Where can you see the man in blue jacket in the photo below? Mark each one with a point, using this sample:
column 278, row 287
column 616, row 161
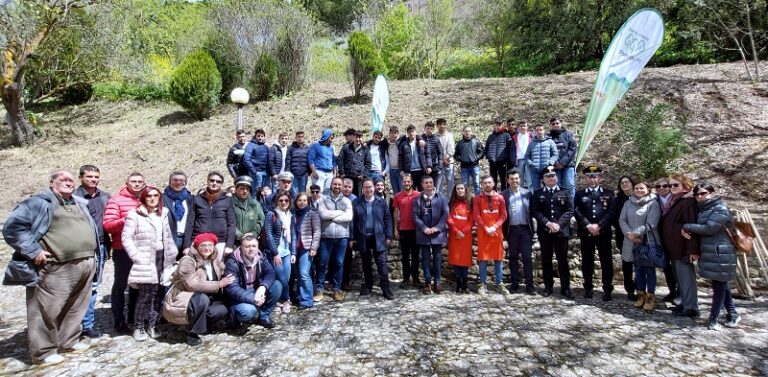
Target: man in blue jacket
column 430, row 213
column 372, row 223
column 518, row 230
column 297, row 162
column 254, row 292
column 255, row 158
column 322, row 161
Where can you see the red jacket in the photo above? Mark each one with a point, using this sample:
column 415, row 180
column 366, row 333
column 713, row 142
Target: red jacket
column 117, row 210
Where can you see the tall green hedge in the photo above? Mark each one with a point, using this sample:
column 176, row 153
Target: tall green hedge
column 196, row 84
column 365, row 61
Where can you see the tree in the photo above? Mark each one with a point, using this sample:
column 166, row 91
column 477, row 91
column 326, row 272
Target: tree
column 496, row 31
column 24, row 26
column 196, row 84
column 395, row 36
column 365, row 62
column 734, row 25
column 438, row 36
column 337, row 14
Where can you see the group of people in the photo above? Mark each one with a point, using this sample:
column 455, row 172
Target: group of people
column 234, row 257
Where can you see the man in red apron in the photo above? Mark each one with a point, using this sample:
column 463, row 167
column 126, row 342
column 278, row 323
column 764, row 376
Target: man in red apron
column 490, row 213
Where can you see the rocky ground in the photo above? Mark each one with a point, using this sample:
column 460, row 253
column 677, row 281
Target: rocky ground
column 446, row 334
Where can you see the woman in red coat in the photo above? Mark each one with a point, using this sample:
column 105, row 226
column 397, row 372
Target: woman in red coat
column 460, row 235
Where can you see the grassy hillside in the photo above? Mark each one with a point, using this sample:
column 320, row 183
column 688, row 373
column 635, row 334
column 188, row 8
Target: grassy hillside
column 727, row 121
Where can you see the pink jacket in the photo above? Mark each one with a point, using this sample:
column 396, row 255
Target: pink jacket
column 140, row 240
column 117, row 209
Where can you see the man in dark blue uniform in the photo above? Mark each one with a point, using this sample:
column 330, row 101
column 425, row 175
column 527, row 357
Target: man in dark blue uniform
column 552, row 207
column 595, row 208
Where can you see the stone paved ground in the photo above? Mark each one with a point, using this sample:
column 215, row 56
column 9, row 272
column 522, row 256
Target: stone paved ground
column 447, row 334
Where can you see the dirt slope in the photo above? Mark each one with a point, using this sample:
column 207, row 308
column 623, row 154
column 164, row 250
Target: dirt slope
column 727, row 118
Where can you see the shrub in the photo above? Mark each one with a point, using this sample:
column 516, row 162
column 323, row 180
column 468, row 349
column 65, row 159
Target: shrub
column 124, row 91
column 365, row 62
column 77, row 93
column 264, row 79
column 196, row 84
column 652, row 140
column 229, row 61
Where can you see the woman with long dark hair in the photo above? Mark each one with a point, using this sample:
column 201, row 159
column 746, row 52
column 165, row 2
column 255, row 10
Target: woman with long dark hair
column 281, row 243
column 623, row 192
column 460, row 234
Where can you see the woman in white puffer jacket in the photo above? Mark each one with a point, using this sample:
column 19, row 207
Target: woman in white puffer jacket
column 148, row 241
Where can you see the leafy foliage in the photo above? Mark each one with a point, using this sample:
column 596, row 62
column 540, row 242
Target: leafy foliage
column 229, row 61
column 264, row 79
column 196, row 84
column 337, row 14
column 395, row 35
column 126, row 91
column 365, row 62
column 77, row 93
column 651, row 140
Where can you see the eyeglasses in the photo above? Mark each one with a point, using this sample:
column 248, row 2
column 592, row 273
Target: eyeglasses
column 205, row 246
column 215, row 181
column 283, row 201
column 315, row 191
column 662, row 186
column 702, row 193
column 674, row 185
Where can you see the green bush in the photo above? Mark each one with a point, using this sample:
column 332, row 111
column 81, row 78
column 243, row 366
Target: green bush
column 229, row 61
column 196, row 84
column 77, row 93
column 654, row 140
column 124, row 91
column 365, row 61
column 396, row 36
column 264, row 79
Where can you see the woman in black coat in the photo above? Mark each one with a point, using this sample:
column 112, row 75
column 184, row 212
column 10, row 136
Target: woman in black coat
column 718, row 255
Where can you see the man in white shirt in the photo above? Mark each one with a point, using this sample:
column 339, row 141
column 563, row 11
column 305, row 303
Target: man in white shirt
column 522, row 137
column 448, row 147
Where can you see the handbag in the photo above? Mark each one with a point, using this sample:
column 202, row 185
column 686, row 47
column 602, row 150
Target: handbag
column 167, row 276
column 741, row 237
column 649, row 254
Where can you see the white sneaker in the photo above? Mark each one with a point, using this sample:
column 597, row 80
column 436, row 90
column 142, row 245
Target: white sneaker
column 483, row 290
column 733, row 321
column 140, row 335
column 286, row 307
column 79, row 346
column 53, row 359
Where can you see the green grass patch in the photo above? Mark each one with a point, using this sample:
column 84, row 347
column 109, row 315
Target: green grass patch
column 122, row 91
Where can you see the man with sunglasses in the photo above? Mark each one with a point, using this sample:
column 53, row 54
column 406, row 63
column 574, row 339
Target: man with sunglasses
column 212, row 212
column 595, row 208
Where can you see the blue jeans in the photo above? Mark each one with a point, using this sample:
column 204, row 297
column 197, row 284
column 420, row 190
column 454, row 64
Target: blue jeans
column 90, row 318
column 566, row 177
column 721, row 297
column 282, row 273
column 646, row 278
column 525, row 178
column 535, row 176
column 396, row 180
column 245, row 312
column 330, row 247
column 299, row 184
column 260, row 179
column 304, row 264
column 483, row 266
column 431, row 262
column 474, row 173
column 373, row 175
column 447, row 175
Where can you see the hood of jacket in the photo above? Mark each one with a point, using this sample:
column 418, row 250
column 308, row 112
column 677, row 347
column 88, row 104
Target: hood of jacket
column 238, row 255
column 325, row 135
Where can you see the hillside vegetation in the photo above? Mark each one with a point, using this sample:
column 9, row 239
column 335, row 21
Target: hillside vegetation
column 726, row 117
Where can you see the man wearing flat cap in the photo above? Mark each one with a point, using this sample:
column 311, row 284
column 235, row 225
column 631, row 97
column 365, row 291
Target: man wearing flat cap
column 595, row 208
column 552, row 207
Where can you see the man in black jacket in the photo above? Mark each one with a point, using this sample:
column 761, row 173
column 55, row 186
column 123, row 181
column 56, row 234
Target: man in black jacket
column 212, row 212
column 469, row 152
column 518, row 230
column 178, row 200
column 566, row 148
column 372, row 230
column 595, row 209
column 235, row 164
column 435, row 151
column 297, row 162
column 355, row 162
column 378, row 148
column 497, row 152
column 276, row 159
column 552, row 207
column 254, row 292
column 414, row 157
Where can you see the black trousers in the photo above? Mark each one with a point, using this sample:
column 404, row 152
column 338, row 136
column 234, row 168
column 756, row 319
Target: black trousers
column 520, row 244
column 416, row 176
column 411, row 253
column 604, row 250
column 346, row 273
column 203, row 312
column 671, row 278
column 559, row 247
column 356, row 185
column 498, row 171
column 368, row 253
column 628, row 269
column 123, row 266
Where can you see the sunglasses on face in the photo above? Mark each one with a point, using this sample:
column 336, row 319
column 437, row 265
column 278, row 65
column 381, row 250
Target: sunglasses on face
column 702, row 194
column 215, row 181
column 315, row 191
column 283, row 201
column 662, row 186
column 550, row 175
column 674, row 185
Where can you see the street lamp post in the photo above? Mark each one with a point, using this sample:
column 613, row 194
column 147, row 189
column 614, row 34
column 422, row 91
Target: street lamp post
column 239, row 97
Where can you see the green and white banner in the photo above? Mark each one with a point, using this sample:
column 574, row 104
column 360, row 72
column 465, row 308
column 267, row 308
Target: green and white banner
column 380, row 104
column 631, row 48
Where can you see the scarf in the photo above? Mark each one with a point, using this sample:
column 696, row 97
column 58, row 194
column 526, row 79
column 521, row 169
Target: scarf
column 178, row 201
column 285, row 218
column 670, row 202
column 210, row 197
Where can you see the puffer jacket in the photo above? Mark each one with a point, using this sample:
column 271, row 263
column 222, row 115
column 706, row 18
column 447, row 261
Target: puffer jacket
column 235, row 164
column 497, row 146
column 404, row 146
column 309, row 230
column 718, row 256
column 541, row 153
column 335, row 215
column 566, row 146
column 189, row 278
column 238, row 292
column 141, row 242
column 354, row 162
column 117, row 209
column 249, row 217
column 297, row 159
column 435, row 149
column 273, row 232
column 469, row 152
column 255, row 157
column 636, row 216
column 217, row 218
column 275, row 162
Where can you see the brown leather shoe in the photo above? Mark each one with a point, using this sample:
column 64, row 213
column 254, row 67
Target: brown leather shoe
column 437, row 288
column 427, row 289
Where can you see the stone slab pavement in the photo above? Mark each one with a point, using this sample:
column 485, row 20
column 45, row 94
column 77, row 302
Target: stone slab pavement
column 418, row 335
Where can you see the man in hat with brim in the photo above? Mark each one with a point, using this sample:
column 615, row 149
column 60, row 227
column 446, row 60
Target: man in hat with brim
column 249, row 216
